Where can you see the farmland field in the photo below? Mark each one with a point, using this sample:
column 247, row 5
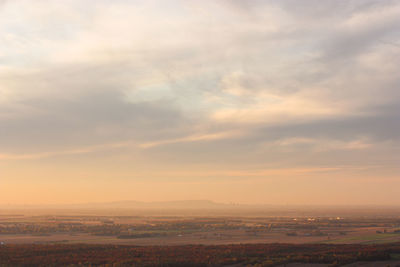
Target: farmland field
column 146, row 229
column 181, row 239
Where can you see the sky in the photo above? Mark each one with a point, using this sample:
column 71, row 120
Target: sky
column 258, row 102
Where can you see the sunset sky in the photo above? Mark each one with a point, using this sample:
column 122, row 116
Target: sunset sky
column 267, row 102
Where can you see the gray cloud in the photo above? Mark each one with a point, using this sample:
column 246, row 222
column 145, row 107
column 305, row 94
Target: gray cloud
column 81, row 106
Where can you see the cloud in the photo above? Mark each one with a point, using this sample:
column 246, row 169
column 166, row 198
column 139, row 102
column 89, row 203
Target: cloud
column 202, row 81
column 326, row 144
column 193, row 138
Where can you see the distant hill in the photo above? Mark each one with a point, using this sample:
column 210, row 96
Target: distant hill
column 182, row 204
column 206, row 207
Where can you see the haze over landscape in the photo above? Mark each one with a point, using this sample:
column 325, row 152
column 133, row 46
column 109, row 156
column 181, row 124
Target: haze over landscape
column 251, row 102
column 238, row 133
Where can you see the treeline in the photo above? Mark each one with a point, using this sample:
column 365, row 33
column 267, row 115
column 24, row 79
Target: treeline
column 191, row 255
column 107, row 228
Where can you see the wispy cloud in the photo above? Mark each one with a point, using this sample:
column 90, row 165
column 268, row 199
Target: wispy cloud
column 194, row 138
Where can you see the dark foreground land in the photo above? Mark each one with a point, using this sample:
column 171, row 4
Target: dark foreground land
column 200, row 255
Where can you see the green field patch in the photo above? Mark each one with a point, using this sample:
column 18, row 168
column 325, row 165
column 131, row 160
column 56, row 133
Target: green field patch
column 395, row 256
column 374, row 238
